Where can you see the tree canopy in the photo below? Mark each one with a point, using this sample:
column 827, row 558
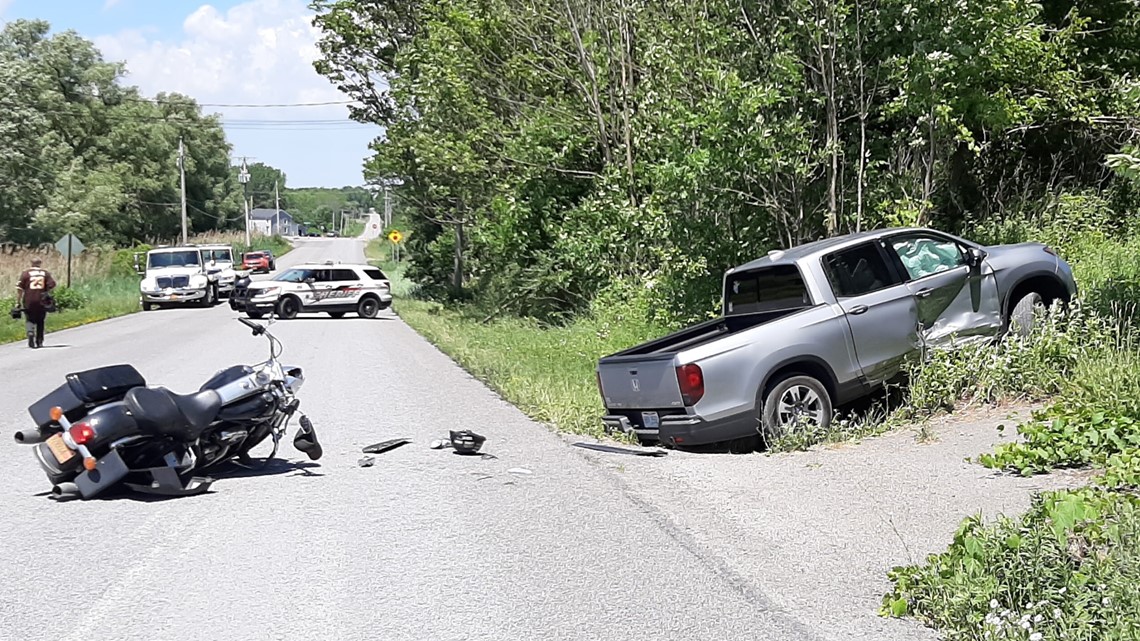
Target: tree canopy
column 82, row 152
column 560, row 147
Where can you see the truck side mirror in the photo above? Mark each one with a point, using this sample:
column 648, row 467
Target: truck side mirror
column 975, row 256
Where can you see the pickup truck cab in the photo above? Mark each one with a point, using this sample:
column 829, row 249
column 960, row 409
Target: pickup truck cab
column 806, row 329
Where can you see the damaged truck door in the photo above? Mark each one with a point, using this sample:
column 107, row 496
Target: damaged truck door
column 955, row 289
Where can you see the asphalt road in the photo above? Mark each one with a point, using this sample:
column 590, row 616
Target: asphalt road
column 426, row 544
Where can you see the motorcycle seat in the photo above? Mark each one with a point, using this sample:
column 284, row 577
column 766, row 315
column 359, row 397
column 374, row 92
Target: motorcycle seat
column 182, row 416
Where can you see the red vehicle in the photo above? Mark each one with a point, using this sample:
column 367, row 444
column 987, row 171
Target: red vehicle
column 259, row 261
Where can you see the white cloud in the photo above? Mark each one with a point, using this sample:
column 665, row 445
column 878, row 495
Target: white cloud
column 258, row 52
column 110, row 4
column 4, row 4
column 261, row 51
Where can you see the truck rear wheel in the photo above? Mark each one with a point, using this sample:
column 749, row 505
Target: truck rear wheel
column 794, row 405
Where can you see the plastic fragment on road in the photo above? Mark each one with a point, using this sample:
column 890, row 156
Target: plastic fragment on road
column 621, row 450
column 367, row 461
column 466, row 441
column 384, row 446
column 519, row 470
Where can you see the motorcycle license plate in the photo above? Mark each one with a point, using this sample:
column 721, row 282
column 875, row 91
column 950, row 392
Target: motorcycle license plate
column 650, row 420
column 59, row 449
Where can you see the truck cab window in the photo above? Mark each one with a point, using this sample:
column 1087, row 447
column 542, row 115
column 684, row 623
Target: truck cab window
column 779, row 287
column 857, row 271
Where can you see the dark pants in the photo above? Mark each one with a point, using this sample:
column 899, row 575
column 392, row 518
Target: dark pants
column 34, row 323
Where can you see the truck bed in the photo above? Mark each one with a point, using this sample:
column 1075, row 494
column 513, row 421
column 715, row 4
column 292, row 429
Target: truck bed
column 689, row 337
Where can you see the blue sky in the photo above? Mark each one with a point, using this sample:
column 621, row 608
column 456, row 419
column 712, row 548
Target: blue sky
column 229, row 52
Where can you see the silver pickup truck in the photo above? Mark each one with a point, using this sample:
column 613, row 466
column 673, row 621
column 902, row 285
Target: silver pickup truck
column 819, row 325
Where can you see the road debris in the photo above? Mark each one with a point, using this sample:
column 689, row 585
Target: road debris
column 384, row 446
column 367, row 461
column 621, row 450
column 466, row 441
column 519, row 470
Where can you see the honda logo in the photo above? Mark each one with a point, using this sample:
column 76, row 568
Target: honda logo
column 636, row 385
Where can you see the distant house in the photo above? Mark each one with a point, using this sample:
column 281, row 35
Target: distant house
column 265, row 221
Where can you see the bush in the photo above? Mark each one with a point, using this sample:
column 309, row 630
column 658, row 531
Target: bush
column 70, row 298
column 123, row 262
column 1069, row 568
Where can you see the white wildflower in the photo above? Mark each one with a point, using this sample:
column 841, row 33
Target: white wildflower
column 1027, row 625
column 993, row 604
column 1036, row 636
column 1037, row 619
column 1105, row 601
column 1057, row 612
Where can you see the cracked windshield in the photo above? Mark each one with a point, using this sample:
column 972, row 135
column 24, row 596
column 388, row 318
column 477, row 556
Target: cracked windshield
column 570, row 319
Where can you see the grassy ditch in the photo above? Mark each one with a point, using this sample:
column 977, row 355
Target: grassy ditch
column 103, row 283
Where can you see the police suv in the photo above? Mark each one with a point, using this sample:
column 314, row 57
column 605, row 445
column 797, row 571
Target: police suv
column 332, row 288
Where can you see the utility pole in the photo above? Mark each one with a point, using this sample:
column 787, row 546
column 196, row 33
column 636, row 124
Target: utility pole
column 277, row 205
column 182, row 173
column 243, row 178
column 387, row 207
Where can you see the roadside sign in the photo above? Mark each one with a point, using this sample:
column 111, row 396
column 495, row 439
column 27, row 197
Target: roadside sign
column 69, row 246
column 395, row 236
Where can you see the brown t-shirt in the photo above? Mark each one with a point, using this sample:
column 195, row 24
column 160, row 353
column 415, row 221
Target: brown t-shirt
column 35, row 282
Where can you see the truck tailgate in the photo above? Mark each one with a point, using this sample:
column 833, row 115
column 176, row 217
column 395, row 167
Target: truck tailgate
column 639, row 383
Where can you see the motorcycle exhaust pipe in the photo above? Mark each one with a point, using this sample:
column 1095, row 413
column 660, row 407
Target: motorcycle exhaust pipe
column 66, row 491
column 30, row 437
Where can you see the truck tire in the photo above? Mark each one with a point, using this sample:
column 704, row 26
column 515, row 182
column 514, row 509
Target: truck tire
column 1022, row 316
column 792, row 400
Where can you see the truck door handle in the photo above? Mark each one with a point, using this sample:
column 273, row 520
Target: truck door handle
column 858, row 309
column 923, row 293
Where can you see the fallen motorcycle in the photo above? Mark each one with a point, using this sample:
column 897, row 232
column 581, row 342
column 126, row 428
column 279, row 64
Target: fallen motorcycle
column 107, row 426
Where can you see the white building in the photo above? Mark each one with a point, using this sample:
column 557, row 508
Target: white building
column 265, row 221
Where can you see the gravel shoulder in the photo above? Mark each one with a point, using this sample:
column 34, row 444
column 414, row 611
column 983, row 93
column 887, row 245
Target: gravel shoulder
column 818, row 531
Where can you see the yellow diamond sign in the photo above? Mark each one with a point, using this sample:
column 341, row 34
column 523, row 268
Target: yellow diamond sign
column 395, row 236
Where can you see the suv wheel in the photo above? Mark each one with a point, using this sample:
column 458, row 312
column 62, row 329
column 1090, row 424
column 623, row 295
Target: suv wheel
column 793, row 406
column 368, row 308
column 288, row 308
column 211, row 296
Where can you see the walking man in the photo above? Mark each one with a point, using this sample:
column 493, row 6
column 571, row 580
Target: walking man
column 34, row 284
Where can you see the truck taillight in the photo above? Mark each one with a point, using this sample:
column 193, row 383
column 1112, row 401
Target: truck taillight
column 81, row 433
column 692, row 382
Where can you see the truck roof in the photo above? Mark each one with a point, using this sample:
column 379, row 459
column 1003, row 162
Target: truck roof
column 817, row 248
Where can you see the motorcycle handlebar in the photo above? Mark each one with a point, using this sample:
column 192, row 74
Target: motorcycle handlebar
column 257, row 329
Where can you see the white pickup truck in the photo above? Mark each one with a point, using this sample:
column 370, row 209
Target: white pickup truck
column 177, row 276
